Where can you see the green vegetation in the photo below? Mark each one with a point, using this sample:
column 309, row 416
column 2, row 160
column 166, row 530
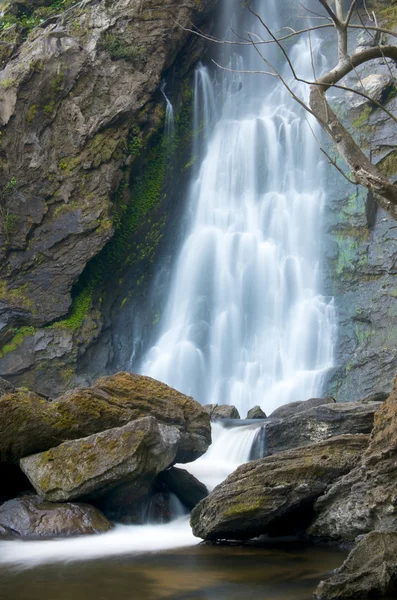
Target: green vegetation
column 118, row 49
column 17, row 339
column 27, row 20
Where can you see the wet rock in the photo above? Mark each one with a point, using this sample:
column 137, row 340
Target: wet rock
column 366, row 498
column 319, row 423
column 222, row 411
column 369, row 570
column 189, row 490
column 293, row 408
column 30, row 424
column 256, row 413
column 375, row 397
column 267, row 495
column 92, row 466
column 33, row 517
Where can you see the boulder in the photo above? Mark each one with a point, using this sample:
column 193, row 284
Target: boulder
column 132, row 454
column 293, row 408
column 256, row 413
column 369, row 570
column 376, row 85
column 33, row 517
column 30, row 424
column 319, row 423
column 222, row 411
column 184, row 485
column 366, row 498
column 270, row 494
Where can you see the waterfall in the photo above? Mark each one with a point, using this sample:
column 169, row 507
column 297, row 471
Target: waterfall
column 169, row 122
column 245, row 322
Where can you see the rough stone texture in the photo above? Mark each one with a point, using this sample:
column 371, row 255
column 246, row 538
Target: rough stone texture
column 256, row 413
column 293, row 408
column 319, row 423
column 33, row 517
column 369, row 570
column 266, row 492
column 6, row 387
column 377, row 86
column 361, row 262
column 366, row 498
column 222, row 411
column 73, row 98
column 135, row 453
column 184, row 485
column 29, row 423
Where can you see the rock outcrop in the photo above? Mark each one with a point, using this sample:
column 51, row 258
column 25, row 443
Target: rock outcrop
column 268, row 494
column 30, row 424
column 79, row 107
column 222, row 411
column 95, row 465
column 366, row 498
column 369, row 571
column 294, row 408
column 32, row 517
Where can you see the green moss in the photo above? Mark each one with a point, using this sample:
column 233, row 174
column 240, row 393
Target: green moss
column 118, row 49
column 32, row 110
column 362, row 119
column 80, row 307
column 16, row 341
column 388, row 165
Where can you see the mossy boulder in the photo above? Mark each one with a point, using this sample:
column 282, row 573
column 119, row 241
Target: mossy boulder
column 31, row 424
column 33, row 517
column 370, row 570
column 222, row 411
column 95, row 465
column 275, row 494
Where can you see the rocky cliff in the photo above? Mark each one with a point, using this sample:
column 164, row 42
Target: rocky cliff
column 83, row 165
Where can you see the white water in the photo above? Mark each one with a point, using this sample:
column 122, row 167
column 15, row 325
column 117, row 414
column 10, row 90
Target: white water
column 245, row 322
column 169, row 122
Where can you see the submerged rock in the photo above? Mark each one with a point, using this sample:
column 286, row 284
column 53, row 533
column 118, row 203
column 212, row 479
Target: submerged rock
column 222, row 411
column 30, row 424
column 133, row 454
column 263, row 495
column 33, row 517
column 319, row 423
column 369, row 570
column 189, row 490
column 293, row 408
column 256, row 413
column 366, row 498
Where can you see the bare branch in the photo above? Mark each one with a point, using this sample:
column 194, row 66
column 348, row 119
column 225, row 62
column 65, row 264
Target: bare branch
column 331, row 13
column 350, row 13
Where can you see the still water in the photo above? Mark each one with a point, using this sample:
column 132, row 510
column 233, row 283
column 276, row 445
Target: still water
column 287, row 571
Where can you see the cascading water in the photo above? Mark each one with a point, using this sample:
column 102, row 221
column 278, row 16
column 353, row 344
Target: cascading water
column 245, row 322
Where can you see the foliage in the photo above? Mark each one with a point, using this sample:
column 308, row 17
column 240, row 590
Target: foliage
column 118, row 49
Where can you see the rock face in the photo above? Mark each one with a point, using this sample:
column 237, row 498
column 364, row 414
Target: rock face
column 319, row 423
column 184, row 485
column 222, row 411
column 33, row 517
column 366, row 498
column 30, row 424
column 256, row 413
column 79, row 105
column 263, row 494
column 133, row 454
column 6, row 387
column 294, row 408
column 369, row 571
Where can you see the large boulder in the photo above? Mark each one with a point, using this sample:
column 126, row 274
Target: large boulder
column 133, row 454
column 319, row 423
column 189, row 490
column 293, row 408
column 262, row 495
column 369, row 570
column 33, row 517
column 30, row 424
column 366, row 498
column 222, row 411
